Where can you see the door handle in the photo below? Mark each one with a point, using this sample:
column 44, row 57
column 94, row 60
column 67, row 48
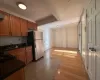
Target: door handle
column 93, row 49
column 90, row 48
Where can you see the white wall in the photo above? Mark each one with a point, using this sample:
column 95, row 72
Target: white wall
column 47, row 38
column 83, row 45
column 51, row 38
column 65, row 36
column 84, row 36
column 60, row 37
column 7, row 40
column 72, row 36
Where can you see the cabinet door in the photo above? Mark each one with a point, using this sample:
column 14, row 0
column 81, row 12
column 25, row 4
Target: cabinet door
column 32, row 25
column 22, row 57
column 18, row 75
column 14, row 53
column 15, row 26
column 4, row 25
column 29, row 54
column 24, row 28
column 91, row 54
column 19, row 54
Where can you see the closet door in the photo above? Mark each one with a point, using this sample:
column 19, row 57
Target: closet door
column 97, row 39
column 97, row 46
column 91, row 61
column 91, row 39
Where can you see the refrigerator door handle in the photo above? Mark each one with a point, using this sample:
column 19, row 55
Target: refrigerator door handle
column 34, row 45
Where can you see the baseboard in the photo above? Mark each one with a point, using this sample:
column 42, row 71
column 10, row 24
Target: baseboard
column 48, row 49
column 67, row 48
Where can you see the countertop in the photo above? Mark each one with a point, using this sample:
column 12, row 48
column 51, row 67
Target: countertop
column 13, row 46
column 9, row 67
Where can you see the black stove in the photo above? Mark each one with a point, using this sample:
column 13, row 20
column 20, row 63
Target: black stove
column 6, row 57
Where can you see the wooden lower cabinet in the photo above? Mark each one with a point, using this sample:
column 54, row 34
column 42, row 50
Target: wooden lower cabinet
column 19, row 53
column 18, row 75
column 29, row 54
column 23, row 54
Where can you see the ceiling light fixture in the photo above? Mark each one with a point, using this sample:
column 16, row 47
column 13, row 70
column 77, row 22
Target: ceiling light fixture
column 21, row 5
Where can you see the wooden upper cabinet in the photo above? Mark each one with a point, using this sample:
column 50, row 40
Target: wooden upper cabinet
column 15, row 24
column 24, row 27
column 4, row 25
column 32, row 25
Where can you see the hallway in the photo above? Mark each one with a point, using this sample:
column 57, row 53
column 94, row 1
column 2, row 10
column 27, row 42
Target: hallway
column 58, row 64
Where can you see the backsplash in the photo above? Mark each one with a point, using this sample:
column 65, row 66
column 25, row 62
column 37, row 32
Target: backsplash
column 12, row 40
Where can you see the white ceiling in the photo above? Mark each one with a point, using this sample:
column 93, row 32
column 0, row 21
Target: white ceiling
column 66, row 9
column 37, row 9
column 59, row 24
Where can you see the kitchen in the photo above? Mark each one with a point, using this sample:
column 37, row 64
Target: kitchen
column 19, row 43
column 49, row 40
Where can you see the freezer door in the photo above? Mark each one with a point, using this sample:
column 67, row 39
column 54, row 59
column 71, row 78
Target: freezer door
column 38, row 35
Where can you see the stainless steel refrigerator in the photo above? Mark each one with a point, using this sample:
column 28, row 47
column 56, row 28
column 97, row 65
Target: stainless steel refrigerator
column 35, row 38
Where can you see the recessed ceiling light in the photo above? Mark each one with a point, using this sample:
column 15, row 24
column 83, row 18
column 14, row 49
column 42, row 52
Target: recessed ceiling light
column 21, row 5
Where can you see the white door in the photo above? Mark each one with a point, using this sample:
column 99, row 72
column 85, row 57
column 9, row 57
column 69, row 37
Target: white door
column 91, row 39
column 91, row 57
column 97, row 46
column 97, row 40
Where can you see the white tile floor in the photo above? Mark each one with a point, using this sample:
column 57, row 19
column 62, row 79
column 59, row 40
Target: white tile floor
column 57, row 65
column 44, row 69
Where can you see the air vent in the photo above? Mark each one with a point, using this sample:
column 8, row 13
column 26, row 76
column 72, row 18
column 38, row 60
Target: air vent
column 1, row 16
